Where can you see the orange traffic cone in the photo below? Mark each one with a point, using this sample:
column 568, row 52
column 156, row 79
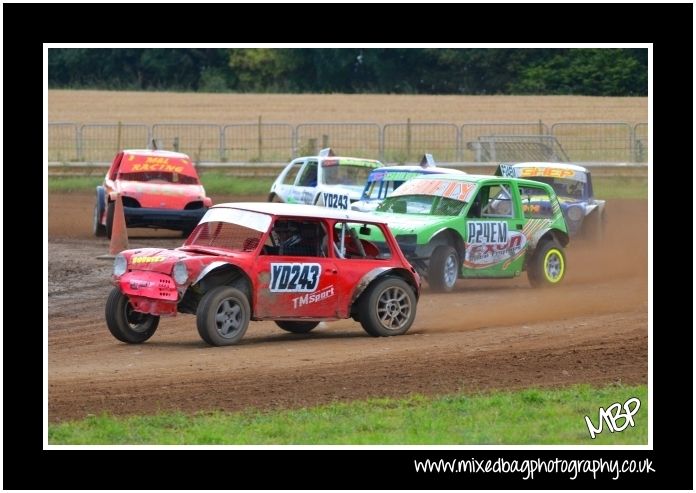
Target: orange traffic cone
column 119, row 235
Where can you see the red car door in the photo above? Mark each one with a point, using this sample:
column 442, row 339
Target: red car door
column 296, row 287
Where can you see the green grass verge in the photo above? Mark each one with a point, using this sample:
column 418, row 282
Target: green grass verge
column 620, row 187
column 214, row 183
column 222, row 184
column 531, row 416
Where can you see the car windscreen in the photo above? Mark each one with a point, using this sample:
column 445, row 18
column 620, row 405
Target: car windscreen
column 159, row 177
column 564, row 187
column 229, row 229
column 345, row 174
column 433, row 205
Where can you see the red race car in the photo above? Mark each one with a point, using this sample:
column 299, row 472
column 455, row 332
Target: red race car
column 295, row 264
column 159, row 189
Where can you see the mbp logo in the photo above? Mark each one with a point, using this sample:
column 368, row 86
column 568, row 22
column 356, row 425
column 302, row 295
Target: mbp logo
column 613, row 414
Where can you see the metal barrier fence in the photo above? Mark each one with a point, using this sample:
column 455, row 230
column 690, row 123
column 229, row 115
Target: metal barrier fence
column 610, row 141
column 391, row 143
column 640, row 137
column 257, row 142
column 101, row 142
column 406, row 143
column 349, row 139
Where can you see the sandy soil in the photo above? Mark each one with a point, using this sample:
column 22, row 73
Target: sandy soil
column 485, row 335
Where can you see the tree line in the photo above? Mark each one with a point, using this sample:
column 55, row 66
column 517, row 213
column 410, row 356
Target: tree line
column 576, row 71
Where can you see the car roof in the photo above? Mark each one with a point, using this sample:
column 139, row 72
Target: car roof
column 340, row 158
column 155, row 152
column 464, row 177
column 301, row 210
column 573, row 167
column 415, row 168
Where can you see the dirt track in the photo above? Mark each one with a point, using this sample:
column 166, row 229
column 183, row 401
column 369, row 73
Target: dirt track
column 485, row 335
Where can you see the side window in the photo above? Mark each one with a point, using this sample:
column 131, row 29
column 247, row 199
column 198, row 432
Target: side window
column 297, row 238
column 348, row 244
column 309, row 175
column 292, row 174
column 536, row 203
column 499, row 203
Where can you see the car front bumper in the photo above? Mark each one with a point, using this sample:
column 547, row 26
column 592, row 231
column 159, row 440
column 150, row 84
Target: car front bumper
column 139, row 217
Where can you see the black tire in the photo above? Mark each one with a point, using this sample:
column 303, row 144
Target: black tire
column 124, row 323
column 443, row 270
column 547, row 266
column 223, row 316
column 110, row 218
column 296, row 327
column 388, row 308
column 98, row 229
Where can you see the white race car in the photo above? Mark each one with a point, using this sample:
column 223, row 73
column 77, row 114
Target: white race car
column 325, row 180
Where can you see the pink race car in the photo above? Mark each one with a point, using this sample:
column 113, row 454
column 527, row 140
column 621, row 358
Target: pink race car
column 159, row 189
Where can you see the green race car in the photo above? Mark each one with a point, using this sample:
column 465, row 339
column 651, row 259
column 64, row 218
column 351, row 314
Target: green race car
column 471, row 226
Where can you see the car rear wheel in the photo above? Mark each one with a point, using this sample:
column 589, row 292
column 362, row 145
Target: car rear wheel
column 388, row 308
column 443, row 270
column 223, row 316
column 296, row 327
column 547, row 267
column 124, row 323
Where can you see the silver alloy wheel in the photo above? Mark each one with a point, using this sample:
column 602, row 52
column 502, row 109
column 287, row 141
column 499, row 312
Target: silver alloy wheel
column 553, row 266
column 228, row 318
column 450, row 271
column 393, row 308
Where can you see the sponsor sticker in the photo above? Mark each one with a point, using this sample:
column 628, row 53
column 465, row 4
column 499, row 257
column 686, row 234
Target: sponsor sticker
column 336, row 200
column 309, row 298
column 294, row 277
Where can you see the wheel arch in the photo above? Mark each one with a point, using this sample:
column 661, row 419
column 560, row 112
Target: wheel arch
column 449, row 237
column 214, row 275
column 549, row 233
column 366, row 281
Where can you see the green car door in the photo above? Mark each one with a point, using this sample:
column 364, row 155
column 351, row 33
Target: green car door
column 494, row 242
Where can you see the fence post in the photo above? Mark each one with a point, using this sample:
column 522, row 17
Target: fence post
column 176, row 144
column 324, row 141
column 119, row 130
column 260, row 140
column 408, row 139
column 78, row 142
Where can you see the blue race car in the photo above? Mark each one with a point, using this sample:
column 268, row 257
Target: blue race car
column 584, row 214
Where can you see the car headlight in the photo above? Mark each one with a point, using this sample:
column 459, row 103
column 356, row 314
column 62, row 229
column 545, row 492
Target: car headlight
column 180, row 273
column 575, row 213
column 120, row 265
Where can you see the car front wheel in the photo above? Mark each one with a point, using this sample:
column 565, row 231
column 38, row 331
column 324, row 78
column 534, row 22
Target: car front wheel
column 98, row 228
column 223, row 316
column 124, row 323
column 388, row 308
column 443, row 270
